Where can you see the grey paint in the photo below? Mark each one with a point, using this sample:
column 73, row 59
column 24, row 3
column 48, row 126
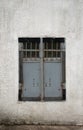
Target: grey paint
column 31, row 79
column 52, row 79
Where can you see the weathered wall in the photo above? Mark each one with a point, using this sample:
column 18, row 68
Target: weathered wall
column 58, row 18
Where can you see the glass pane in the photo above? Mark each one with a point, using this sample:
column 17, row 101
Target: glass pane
column 33, row 54
column 54, row 54
column 37, row 54
column 28, row 45
column 54, row 45
column 58, row 54
column 49, row 46
column 24, row 54
column 49, row 53
column 24, row 45
column 59, row 46
column 33, row 45
column 28, row 54
column 45, row 54
column 37, row 45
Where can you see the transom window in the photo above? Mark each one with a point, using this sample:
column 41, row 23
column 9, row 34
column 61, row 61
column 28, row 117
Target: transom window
column 30, row 49
column 52, row 48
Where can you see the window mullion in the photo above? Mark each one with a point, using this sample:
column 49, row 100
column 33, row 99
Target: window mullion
column 42, row 68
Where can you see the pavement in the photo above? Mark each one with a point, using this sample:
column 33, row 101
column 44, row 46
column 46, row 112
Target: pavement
column 39, row 127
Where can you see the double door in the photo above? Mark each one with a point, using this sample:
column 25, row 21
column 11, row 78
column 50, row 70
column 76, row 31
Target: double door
column 42, row 69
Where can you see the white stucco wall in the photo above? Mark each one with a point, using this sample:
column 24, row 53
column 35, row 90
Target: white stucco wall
column 24, row 18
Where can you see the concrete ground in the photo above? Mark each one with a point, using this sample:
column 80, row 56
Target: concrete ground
column 40, row 127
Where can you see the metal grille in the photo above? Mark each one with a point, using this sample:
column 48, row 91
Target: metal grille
column 30, row 49
column 52, row 49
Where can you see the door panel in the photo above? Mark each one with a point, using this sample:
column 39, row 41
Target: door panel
column 52, row 79
column 31, row 76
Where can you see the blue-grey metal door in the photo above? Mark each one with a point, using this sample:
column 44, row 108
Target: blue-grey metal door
column 31, row 70
column 52, row 70
column 31, row 75
column 52, row 80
